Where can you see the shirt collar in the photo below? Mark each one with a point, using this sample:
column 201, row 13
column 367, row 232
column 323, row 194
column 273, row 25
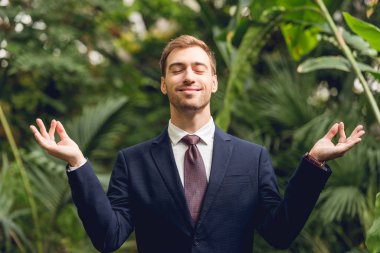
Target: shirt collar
column 206, row 133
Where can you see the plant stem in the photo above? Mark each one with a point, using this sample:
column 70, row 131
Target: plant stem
column 351, row 59
column 24, row 177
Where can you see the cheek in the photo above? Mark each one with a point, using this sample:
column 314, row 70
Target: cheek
column 173, row 81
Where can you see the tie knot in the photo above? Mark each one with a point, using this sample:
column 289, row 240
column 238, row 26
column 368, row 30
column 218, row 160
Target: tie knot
column 191, row 139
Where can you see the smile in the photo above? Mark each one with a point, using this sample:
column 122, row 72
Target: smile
column 189, row 89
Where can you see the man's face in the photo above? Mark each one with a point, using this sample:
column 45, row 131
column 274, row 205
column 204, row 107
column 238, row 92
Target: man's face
column 189, row 81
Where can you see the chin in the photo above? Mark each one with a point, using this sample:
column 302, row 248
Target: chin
column 192, row 107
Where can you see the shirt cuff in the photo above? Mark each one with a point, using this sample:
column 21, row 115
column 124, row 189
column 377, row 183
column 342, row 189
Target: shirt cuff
column 70, row 169
column 316, row 163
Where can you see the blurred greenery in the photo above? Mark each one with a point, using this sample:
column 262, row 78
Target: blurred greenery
column 373, row 237
column 94, row 65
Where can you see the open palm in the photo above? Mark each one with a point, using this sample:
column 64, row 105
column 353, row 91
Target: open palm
column 66, row 149
column 324, row 149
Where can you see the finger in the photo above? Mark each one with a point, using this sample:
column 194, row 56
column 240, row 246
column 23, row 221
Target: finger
column 332, row 132
column 53, row 125
column 360, row 133
column 41, row 125
column 342, row 134
column 33, row 129
column 357, row 135
column 61, row 131
column 348, row 145
column 357, row 129
column 39, row 138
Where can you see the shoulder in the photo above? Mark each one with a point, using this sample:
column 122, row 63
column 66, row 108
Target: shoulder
column 237, row 142
column 146, row 145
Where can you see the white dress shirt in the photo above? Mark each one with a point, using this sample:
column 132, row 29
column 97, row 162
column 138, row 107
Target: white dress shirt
column 205, row 146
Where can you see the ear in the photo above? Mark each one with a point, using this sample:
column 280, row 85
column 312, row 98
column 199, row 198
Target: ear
column 214, row 87
column 163, row 86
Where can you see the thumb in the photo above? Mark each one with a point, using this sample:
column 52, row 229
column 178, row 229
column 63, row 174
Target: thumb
column 332, row 132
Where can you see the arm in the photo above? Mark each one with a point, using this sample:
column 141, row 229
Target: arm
column 281, row 220
column 106, row 219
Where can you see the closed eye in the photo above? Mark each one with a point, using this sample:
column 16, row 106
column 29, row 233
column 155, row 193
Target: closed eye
column 176, row 71
column 176, row 68
column 199, row 68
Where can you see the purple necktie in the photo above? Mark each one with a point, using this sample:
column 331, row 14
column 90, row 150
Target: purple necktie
column 195, row 176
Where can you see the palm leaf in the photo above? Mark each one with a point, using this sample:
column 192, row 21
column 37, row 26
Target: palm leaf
column 342, row 202
column 86, row 128
column 248, row 51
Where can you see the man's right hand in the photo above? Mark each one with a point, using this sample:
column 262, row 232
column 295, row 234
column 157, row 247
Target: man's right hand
column 66, row 149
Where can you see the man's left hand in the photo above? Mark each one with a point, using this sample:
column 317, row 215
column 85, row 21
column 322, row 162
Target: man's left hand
column 325, row 149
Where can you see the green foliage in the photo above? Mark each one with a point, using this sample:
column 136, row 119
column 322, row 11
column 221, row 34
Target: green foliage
column 9, row 214
column 332, row 62
column 253, row 41
column 367, row 31
column 300, row 39
column 373, row 234
column 86, row 129
column 240, row 59
column 358, row 44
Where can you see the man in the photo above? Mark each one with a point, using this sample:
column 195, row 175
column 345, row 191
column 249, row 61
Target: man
column 180, row 195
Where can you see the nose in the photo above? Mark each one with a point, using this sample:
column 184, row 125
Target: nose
column 188, row 77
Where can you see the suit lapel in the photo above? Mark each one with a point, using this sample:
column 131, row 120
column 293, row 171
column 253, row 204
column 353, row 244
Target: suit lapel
column 162, row 154
column 221, row 155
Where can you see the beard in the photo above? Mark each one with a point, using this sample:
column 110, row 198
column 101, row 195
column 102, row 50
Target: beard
column 188, row 105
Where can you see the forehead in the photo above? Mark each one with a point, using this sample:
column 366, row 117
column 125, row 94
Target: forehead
column 188, row 56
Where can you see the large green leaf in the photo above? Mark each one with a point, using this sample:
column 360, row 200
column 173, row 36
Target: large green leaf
column 366, row 30
column 299, row 39
column 248, row 51
column 299, row 11
column 373, row 234
column 295, row 9
column 332, row 62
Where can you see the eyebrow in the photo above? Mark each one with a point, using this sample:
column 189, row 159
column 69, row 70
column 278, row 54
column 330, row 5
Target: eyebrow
column 179, row 64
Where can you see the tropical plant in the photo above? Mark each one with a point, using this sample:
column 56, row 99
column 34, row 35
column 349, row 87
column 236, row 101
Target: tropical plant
column 373, row 234
column 25, row 180
column 10, row 232
column 302, row 23
column 371, row 33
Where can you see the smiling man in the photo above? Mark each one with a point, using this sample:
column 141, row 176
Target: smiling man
column 193, row 188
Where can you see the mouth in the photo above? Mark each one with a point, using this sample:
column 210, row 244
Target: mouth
column 188, row 89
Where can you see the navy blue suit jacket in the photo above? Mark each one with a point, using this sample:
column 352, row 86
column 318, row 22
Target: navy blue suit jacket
column 146, row 195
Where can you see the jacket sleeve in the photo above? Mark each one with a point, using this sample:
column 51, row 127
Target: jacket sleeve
column 106, row 218
column 281, row 220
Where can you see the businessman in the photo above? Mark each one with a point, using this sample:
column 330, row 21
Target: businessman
column 193, row 188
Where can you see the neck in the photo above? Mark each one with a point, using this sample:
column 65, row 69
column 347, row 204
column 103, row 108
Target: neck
column 190, row 121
